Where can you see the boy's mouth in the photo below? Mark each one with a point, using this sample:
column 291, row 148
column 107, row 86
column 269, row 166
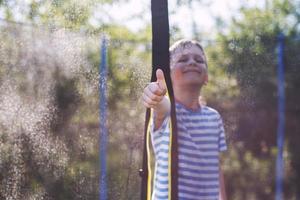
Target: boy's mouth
column 192, row 70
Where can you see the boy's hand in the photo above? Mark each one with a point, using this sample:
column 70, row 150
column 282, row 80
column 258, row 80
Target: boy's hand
column 154, row 97
column 155, row 92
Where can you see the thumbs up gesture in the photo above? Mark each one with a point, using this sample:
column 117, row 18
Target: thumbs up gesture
column 154, row 96
column 161, row 81
column 155, row 92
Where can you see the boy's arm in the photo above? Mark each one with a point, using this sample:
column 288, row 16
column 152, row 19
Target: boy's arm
column 154, row 97
column 222, row 147
column 222, row 193
column 161, row 112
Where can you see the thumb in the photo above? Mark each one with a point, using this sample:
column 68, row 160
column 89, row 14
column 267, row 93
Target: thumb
column 161, row 79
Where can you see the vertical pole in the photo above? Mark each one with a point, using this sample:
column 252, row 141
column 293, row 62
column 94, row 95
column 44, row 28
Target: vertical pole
column 281, row 119
column 103, row 119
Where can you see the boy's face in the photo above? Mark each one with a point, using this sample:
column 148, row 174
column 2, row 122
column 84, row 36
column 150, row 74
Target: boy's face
column 188, row 67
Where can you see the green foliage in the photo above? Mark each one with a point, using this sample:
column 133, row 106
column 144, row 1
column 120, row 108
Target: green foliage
column 249, row 53
column 61, row 161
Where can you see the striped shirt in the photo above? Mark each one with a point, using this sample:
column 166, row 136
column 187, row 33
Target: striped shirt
column 200, row 139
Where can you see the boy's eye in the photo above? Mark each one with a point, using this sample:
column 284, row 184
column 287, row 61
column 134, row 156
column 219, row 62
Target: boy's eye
column 182, row 59
column 200, row 61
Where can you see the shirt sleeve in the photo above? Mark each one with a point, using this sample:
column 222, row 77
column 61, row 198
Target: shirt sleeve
column 222, row 141
column 160, row 133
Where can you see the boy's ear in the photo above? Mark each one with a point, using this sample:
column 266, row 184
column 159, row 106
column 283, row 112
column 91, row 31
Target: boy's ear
column 206, row 79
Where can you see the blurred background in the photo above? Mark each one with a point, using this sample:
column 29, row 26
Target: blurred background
column 49, row 93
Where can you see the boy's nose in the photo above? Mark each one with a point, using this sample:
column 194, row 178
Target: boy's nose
column 192, row 62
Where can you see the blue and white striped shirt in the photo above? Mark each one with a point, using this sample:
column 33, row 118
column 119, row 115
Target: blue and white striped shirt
column 200, row 139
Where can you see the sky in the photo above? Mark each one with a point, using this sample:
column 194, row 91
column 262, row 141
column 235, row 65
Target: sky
column 124, row 13
column 134, row 13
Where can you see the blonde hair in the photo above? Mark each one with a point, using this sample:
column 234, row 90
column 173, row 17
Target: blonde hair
column 183, row 44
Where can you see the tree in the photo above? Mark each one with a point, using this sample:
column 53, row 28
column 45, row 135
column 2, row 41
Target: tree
column 62, row 69
column 249, row 53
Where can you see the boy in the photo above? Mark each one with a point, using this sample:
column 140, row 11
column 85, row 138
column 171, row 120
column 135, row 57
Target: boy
column 200, row 130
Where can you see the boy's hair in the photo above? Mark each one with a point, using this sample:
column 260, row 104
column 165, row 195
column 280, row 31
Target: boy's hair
column 183, row 44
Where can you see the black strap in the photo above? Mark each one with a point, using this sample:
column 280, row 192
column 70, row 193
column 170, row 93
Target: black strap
column 160, row 59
